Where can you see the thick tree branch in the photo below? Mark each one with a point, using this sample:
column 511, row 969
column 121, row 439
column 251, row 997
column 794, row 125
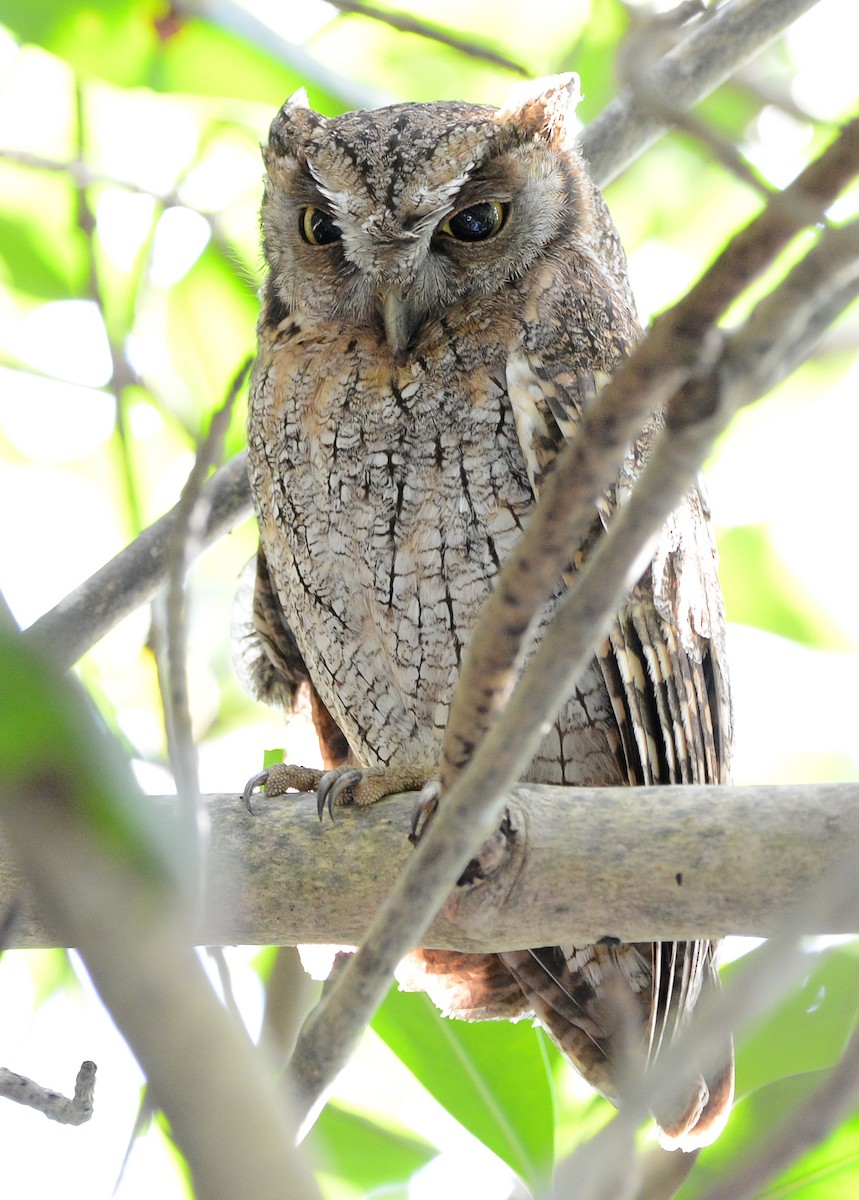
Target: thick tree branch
column 643, row 863
column 607, row 1160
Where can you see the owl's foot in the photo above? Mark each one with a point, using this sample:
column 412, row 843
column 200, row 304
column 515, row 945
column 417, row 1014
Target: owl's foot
column 282, row 777
column 365, row 785
column 342, row 785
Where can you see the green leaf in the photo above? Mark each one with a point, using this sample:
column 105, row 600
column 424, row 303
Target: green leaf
column 827, row 1172
column 760, row 590
column 211, row 316
column 42, row 251
column 139, row 43
column 363, row 1155
column 809, row 1031
column 52, row 738
column 492, row 1076
column 26, row 265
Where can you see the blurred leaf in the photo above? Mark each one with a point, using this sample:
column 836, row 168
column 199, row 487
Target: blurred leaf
column 50, row 972
column 827, row 1172
column 115, row 41
column 136, row 43
column 42, row 250
column 492, row 1076
column 364, row 1156
column 51, row 736
column 28, row 265
column 211, row 316
column 810, row 1029
column 761, row 591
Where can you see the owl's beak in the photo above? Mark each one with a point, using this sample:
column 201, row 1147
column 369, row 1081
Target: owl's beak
column 400, row 322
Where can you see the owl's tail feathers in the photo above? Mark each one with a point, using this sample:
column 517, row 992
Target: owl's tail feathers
column 591, row 1002
column 702, row 1118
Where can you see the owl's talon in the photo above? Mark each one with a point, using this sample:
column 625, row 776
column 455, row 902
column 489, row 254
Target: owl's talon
column 425, row 810
column 255, row 781
column 333, row 785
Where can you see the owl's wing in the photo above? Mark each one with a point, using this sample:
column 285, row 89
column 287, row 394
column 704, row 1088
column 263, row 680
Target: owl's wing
column 268, row 661
column 664, row 670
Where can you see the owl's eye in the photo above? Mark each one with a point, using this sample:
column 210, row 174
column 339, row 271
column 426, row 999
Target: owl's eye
column 476, row 223
column 317, row 227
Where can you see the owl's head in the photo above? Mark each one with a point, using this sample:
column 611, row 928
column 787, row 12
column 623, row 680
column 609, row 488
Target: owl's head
column 387, row 218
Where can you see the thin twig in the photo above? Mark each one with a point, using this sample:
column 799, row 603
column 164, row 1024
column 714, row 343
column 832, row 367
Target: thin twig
column 55, row 1107
column 405, row 23
column 188, row 530
column 122, row 374
column 236, row 19
column 737, row 31
column 83, row 175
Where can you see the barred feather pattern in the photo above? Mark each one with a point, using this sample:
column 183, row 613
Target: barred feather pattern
column 414, row 383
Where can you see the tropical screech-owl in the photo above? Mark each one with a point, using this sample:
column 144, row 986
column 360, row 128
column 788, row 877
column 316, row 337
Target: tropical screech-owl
column 446, row 292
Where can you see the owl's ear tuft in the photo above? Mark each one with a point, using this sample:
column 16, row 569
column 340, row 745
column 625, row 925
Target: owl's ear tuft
column 298, row 99
column 544, row 108
column 291, row 128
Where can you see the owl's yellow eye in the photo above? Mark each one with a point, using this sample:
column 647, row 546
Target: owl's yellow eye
column 317, row 227
column 477, row 222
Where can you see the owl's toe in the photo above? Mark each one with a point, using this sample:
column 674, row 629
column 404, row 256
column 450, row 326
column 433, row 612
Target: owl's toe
column 282, row 777
column 255, row 781
column 365, row 786
column 425, row 811
column 337, row 787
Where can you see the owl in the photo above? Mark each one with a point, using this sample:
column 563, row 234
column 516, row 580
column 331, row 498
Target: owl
column 446, row 293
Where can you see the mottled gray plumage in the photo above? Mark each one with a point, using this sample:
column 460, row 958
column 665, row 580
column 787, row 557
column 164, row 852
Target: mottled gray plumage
column 446, row 293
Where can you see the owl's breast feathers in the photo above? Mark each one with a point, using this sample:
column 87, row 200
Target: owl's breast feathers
column 383, row 519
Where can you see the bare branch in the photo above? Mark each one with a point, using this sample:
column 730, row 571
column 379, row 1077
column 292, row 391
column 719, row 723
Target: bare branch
column 83, row 175
column 639, row 864
column 101, row 875
column 736, row 32
column 55, row 1107
column 777, row 968
column 406, row 23
column 192, row 512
